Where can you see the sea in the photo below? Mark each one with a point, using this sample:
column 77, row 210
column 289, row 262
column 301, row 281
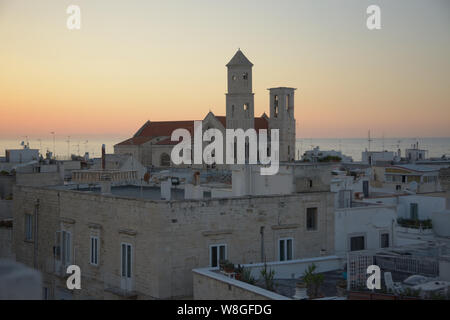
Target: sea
column 65, row 146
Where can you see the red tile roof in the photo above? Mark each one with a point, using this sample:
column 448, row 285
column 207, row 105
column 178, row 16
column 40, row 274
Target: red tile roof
column 261, row 123
column 164, row 128
column 223, row 120
column 135, row 141
column 154, row 129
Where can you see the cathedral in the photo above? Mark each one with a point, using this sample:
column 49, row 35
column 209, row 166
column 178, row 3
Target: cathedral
column 152, row 145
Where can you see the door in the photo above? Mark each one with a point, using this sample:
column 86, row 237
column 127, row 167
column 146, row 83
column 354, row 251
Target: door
column 126, row 282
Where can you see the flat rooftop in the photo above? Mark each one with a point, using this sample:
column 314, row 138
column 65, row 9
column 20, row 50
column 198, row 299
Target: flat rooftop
column 128, row 191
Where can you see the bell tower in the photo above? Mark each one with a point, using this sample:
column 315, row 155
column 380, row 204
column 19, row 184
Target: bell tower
column 240, row 107
column 282, row 118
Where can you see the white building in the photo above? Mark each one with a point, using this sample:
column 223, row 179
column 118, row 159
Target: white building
column 415, row 154
column 364, row 226
column 121, row 162
column 21, row 155
column 371, row 157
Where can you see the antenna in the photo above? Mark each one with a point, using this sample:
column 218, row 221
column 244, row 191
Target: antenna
column 369, row 140
column 68, row 147
column 54, row 146
column 78, row 148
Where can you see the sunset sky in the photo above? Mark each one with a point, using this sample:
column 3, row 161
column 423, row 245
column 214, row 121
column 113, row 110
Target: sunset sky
column 134, row 61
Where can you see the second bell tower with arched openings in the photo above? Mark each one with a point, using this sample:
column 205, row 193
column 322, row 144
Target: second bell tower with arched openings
column 282, row 118
column 239, row 98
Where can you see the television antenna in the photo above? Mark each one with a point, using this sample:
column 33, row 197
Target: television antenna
column 68, row 147
column 369, row 140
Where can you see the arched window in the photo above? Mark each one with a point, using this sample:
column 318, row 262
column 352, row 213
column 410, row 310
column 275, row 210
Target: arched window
column 275, row 106
column 232, row 111
column 165, row 160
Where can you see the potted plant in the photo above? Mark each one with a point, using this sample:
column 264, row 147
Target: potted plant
column 268, row 276
column 238, row 271
column 301, row 291
column 222, row 264
column 228, row 267
column 341, row 288
column 313, row 281
column 246, row 276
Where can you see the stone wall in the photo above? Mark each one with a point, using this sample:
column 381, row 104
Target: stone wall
column 39, row 179
column 169, row 238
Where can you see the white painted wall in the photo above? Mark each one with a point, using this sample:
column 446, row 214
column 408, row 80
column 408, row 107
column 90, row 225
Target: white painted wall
column 426, row 204
column 441, row 223
column 295, row 268
column 23, row 155
column 368, row 221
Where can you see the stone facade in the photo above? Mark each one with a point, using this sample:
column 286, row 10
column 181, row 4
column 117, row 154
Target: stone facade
column 168, row 238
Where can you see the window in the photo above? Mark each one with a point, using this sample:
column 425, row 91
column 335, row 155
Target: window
column 217, row 253
column 63, row 249
column 165, row 160
column 285, row 250
column 310, row 183
column 67, row 248
column 126, row 260
column 94, row 251
column 233, row 77
column 275, row 106
column 384, row 240
column 414, row 211
column 28, row 227
column 311, row 219
column 232, row 111
column 357, row 243
column 245, row 76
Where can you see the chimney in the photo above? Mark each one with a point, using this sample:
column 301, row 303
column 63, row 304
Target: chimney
column 196, row 178
column 103, row 156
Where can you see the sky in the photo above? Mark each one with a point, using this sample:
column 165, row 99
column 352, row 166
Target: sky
column 134, row 61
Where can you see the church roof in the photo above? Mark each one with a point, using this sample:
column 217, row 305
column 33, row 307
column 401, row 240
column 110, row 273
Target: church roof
column 153, row 129
column 239, row 59
column 164, row 128
column 135, row 141
column 261, row 123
